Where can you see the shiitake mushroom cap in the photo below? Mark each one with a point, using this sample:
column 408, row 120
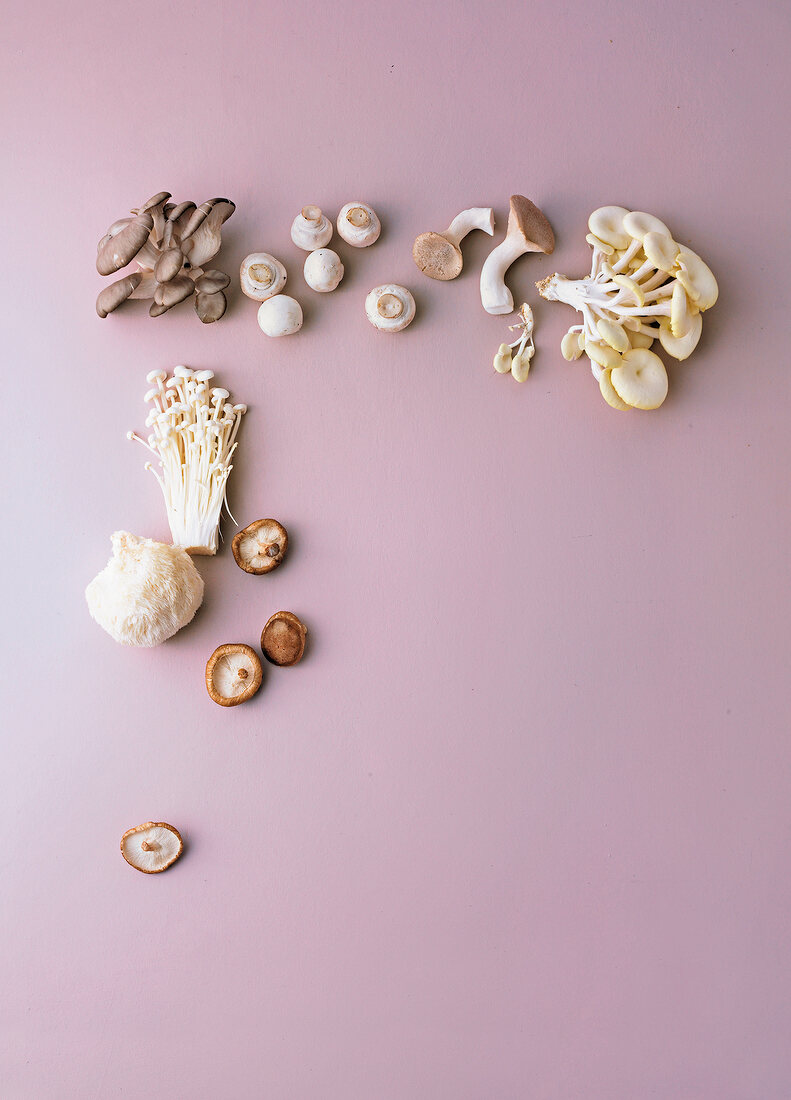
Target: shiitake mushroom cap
column 233, row 674
column 260, row 547
column 283, row 639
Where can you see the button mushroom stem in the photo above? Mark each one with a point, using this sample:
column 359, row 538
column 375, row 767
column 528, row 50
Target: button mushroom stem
column 528, row 231
column 389, row 306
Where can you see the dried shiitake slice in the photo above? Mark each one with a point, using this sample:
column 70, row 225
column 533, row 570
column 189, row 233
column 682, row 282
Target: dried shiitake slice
column 283, row 639
column 261, row 546
column 152, row 847
column 233, row 674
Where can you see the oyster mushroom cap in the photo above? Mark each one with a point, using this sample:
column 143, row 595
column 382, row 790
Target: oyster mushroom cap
column 280, row 316
column 528, row 231
column 638, row 224
column 233, row 674
column 152, row 847
column 261, row 546
column 697, row 279
column 210, row 306
column 261, row 276
column 202, row 242
column 358, row 224
column 610, row 394
column 283, row 639
column 169, row 264
column 390, row 307
column 147, row 591
column 641, row 379
column 323, row 270
column 209, row 282
column 606, row 223
column 121, row 248
column 311, row 229
column 170, row 294
column 112, row 296
column 680, row 347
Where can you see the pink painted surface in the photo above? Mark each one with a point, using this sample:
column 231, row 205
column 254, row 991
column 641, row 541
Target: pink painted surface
column 518, row 826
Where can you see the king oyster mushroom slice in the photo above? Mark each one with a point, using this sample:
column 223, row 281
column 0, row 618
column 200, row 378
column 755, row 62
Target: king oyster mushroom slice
column 311, row 229
column 261, row 276
column 233, row 674
column 261, row 546
column 151, row 847
column 283, row 639
column 358, row 224
column 390, row 307
column 112, row 296
column 121, row 248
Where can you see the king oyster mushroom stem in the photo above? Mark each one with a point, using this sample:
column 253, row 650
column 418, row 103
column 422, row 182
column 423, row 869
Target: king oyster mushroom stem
column 311, row 229
column 528, row 231
column 193, row 430
column 390, row 307
column 640, row 288
column 358, row 224
column 261, row 276
column 438, row 255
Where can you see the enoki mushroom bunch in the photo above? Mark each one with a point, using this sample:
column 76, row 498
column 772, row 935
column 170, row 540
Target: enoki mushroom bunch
column 172, row 244
column 193, row 435
column 643, row 286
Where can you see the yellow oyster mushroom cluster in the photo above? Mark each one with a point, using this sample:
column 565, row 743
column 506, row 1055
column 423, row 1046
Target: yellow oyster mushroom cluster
column 643, row 286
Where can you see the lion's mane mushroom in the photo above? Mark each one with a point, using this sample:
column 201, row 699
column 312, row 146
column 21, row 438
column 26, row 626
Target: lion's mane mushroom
column 170, row 243
column 323, row 270
column 261, row 276
column 193, row 430
column 438, row 255
column 280, row 316
column 311, row 229
column 390, row 307
column 358, row 224
column 152, row 847
column 528, row 231
column 146, row 592
column 643, row 286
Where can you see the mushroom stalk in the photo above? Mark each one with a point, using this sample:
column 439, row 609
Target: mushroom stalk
column 528, row 231
column 477, row 217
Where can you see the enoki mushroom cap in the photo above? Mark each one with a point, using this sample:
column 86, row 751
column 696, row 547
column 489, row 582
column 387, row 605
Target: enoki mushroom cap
column 261, row 546
column 233, row 674
column 151, row 847
column 283, row 639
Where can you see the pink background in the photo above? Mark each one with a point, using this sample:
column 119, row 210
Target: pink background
column 518, row 825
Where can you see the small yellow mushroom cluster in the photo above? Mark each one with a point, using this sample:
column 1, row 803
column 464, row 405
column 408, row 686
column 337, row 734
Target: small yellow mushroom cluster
column 643, row 286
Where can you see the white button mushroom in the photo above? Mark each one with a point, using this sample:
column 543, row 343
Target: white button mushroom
column 390, row 307
column 358, row 224
column 323, row 270
column 280, row 316
column 261, row 276
column 528, row 231
column 311, row 229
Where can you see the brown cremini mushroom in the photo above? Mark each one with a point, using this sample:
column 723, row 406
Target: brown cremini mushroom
column 261, row 546
column 152, row 847
column 233, row 674
column 283, row 639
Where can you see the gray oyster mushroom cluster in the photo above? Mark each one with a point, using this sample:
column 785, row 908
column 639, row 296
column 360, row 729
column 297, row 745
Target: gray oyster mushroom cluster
column 172, row 243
